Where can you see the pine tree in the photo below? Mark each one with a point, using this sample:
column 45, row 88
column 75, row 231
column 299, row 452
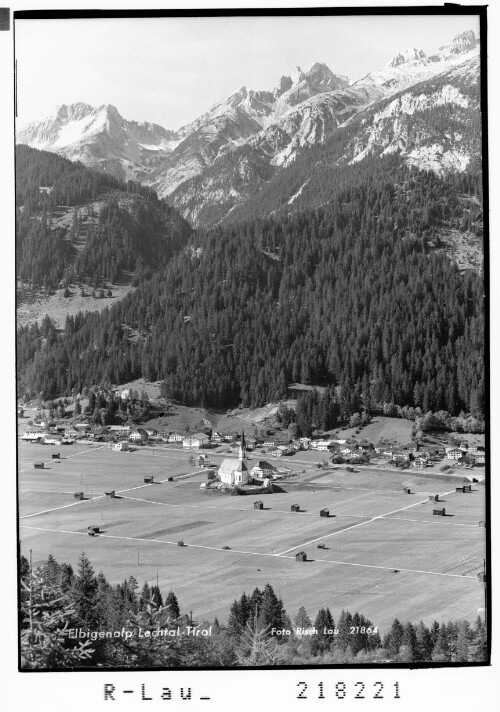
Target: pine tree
column 156, row 597
column 325, row 637
column 46, row 615
column 302, row 620
column 270, row 612
column 463, row 642
column 84, row 591
column 344, row 627
column 424, row 643
column 409, row 650
column 172, row 605
column 479, row 641
column 145, row 596
column 395, row 638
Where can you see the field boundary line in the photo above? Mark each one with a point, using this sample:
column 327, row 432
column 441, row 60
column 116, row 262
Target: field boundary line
column 241, row 509
column 98, row 496
column 66, row 457
column 360, row 524
column 248, row 553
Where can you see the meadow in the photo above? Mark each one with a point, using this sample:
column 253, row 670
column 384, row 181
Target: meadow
column 382, row 552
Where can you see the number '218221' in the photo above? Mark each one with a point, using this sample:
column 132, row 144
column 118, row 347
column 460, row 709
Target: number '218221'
column 356, row 690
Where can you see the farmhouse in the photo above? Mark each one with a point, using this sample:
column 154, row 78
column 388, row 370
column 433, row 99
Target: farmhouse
column 202, row 461
column 281, row 450
column 120, row 429
column 234, row 471
column 139, row 435
column 481, row 459
column 195, row 441
column 282, row 471
column 121, row 446
column 454, row 454
column 175, row 438
column 262, row 469
column 32, row 437
column 323, row 445
column 419, row 462
column 216, row 437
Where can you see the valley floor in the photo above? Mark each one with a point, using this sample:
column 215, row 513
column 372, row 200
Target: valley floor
column 384, row 555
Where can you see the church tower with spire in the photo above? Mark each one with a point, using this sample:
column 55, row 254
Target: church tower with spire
column 235, row 471
column 243, row 447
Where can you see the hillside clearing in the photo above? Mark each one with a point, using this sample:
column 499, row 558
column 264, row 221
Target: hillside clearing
column 57, row 306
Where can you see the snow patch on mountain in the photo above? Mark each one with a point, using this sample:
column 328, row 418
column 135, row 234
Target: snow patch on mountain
column 296, row 195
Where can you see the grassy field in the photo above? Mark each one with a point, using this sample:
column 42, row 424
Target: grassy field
column 57, row 306
column 385, row 554
column 396, row 430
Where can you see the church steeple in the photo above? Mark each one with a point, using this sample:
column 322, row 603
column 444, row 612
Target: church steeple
column 243, row 448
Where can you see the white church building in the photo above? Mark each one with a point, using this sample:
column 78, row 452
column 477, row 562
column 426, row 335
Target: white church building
column 234, row 471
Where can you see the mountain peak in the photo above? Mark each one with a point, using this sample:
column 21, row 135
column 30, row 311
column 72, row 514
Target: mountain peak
column 72, row 111
column 297, row 75
column 467, row 37
column 412, row 54
column 461, row 44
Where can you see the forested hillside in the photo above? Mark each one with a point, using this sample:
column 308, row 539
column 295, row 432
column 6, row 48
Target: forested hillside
column 74, row 224
column 349, row 295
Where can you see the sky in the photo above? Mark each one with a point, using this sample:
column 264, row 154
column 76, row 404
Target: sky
column 171, row 70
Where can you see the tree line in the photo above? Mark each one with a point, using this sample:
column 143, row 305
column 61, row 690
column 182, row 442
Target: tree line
column 57, row 601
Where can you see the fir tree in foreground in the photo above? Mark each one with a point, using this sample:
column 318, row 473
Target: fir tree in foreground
column 55, row 600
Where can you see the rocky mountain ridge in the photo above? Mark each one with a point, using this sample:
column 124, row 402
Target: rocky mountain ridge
column 239, row 143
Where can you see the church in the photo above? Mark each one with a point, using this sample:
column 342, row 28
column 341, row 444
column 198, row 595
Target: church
column 234, row 471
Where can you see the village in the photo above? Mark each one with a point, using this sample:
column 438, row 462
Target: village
column 208, row 445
